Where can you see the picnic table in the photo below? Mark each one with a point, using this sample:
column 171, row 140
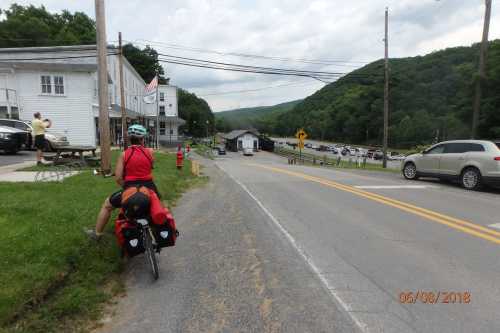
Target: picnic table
column 59, row 159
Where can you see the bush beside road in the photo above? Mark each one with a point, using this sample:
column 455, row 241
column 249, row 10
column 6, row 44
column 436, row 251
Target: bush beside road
column 53, row 276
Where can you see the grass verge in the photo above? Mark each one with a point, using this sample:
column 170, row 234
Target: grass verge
column 54, row 279
column 204, row 151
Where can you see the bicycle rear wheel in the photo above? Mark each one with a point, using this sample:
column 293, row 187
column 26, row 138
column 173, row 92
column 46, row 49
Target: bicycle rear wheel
column 150, row 254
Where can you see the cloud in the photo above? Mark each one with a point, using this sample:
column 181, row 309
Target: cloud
column 316, row 29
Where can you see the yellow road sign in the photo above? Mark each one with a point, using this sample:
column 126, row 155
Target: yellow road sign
column 301, row 135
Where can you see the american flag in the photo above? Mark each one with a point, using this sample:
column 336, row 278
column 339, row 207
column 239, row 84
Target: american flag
column 152, row 85
column 150, row 91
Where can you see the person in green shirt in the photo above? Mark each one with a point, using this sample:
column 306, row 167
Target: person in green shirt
column 39, row 127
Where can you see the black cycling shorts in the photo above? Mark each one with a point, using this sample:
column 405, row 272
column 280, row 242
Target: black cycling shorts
column 116, row 198
column 40, row 142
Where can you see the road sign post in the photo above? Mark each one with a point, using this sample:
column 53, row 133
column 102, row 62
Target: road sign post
column 301, row 136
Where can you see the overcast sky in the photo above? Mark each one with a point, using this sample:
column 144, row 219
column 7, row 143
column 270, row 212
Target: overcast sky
column 348, row 31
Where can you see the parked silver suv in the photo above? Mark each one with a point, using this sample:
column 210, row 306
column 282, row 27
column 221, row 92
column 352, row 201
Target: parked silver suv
column 472, row 162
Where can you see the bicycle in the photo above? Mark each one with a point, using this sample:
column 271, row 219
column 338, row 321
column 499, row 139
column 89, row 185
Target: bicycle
column 150, row 246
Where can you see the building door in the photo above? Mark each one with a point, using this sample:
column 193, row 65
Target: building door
column 255, row 145
column 240, row 144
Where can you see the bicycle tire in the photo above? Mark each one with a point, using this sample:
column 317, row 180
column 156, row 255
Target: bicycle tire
column 150, row 254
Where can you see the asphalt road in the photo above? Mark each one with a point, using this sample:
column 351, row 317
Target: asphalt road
column 231, row 271
column 268, row 247
column 20, row 157
column 372, row 236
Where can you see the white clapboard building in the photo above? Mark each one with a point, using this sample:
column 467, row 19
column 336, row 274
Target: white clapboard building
column 168, row 114
column 60, row 82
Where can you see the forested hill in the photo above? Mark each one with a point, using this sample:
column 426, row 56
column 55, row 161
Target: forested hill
column 430, row 96
column 261, row 117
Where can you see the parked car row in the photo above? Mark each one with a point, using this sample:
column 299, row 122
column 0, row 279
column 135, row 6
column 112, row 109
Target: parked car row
column 346, row 150
column 17, row 134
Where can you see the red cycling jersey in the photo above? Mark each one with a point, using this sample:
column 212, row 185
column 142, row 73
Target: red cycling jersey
column 137, row 164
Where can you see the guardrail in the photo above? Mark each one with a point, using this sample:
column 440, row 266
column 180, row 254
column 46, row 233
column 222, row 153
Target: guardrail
column 353, row 162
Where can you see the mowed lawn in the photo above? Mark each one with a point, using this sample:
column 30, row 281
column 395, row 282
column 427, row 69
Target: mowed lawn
column 52, row 274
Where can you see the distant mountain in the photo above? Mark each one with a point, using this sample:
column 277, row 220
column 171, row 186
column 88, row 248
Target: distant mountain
column 431, row 98
column 255, row 117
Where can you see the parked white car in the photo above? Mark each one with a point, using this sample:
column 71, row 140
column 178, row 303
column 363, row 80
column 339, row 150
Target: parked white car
column 248, row 151
column 472, row 162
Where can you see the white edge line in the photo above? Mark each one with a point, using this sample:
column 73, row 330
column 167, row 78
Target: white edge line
column 362, row 326
column 495, row 225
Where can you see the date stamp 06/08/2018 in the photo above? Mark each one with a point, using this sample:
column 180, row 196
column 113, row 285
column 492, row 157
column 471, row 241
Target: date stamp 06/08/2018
column 435, row 297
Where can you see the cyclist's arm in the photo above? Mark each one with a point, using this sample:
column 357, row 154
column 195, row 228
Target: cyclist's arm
column 151, row 151
column 119, row 170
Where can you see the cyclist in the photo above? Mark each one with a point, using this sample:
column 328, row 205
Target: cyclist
column 133, row 168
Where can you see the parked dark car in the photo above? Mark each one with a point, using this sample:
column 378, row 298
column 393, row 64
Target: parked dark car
column 220, row 150
column 378, row 155
column 12, row 139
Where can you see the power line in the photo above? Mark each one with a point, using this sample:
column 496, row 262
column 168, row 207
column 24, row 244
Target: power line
column 318, row 75
column 347, row 63
column 191, row 64
column 257, row 89
column 247, row 66
column 53, row 58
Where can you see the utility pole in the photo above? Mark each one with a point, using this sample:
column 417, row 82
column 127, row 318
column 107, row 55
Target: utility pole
column 103, row 86
column 386, row 91
column 122, row 94
column 482, row 70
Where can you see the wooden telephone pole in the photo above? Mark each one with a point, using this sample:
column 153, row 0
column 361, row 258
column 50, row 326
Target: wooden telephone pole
column 386, row 90
column 122, row 94
column 103, row 87
column 482, row 70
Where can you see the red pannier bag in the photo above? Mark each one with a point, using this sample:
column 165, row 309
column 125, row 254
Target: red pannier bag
column 163, row 223
column 128, row 236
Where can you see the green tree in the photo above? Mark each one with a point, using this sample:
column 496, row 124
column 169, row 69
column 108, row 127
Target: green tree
column 145, row 62
column 35, row 26
column 197, row 114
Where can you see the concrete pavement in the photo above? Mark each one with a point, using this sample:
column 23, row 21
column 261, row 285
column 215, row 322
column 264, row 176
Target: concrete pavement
column 21, row 157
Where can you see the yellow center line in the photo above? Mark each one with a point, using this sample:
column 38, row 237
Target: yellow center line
column 458, row 224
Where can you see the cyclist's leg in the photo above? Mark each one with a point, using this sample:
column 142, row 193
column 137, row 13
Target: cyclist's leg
column 114, row 201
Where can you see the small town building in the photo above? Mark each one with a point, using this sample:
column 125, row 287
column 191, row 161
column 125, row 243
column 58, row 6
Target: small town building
column 238, row 140
column 60, row 82
column 168, row 115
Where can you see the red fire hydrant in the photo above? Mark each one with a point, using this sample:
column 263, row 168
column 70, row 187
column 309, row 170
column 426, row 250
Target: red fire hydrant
column 179, row 160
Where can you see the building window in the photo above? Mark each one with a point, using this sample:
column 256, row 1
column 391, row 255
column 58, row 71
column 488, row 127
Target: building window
column 46, row 85
column 58, row 85
column 170, row 105
column 14, row 112
column 162, row 97
column 162, row 128
column 162, row 110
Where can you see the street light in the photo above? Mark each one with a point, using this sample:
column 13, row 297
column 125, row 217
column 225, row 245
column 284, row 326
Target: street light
column 207, row 127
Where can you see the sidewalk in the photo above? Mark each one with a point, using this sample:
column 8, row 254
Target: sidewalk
column 8, row 173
